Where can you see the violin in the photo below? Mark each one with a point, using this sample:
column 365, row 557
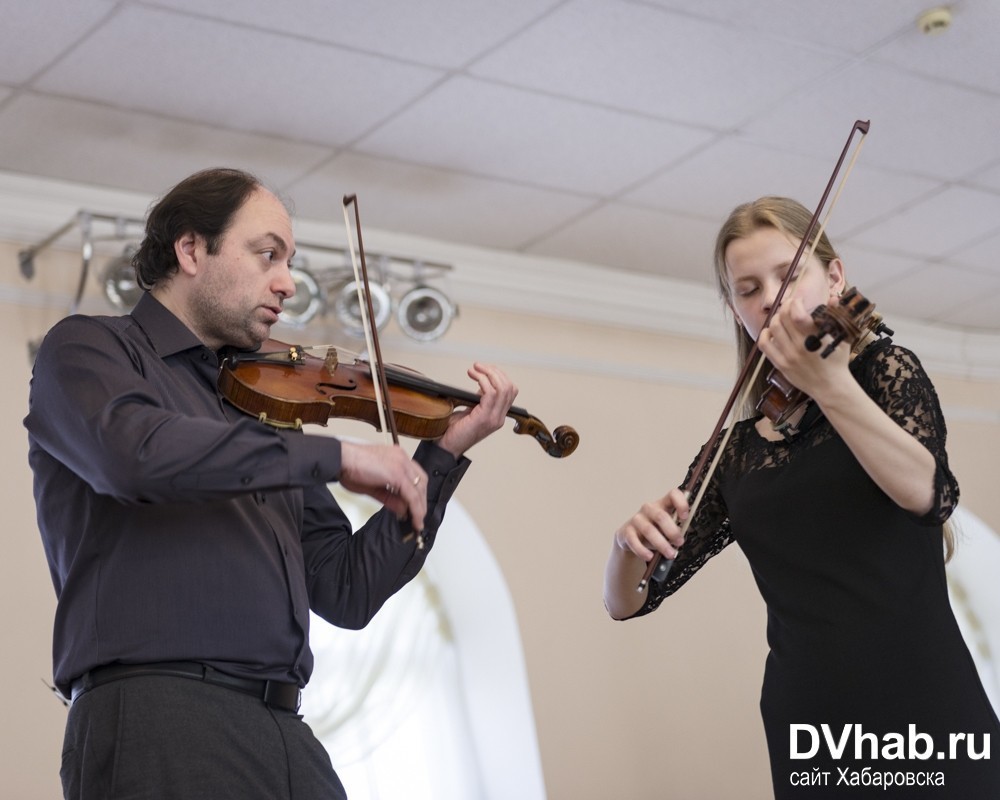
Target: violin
column 853, row 319
column 284, row 386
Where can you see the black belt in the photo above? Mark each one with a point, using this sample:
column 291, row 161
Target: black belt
column 273, row 693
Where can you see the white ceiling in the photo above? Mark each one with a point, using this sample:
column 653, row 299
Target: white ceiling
column 610, row 132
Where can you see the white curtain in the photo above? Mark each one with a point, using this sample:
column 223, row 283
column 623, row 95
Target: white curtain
column 975, row 595
column 387, row 701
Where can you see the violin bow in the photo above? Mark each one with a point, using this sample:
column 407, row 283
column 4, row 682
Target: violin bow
column 659, row 567
column 380, row 382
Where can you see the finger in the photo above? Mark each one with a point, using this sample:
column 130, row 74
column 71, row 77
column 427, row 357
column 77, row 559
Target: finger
column 800, row 318
column 413, row 490
column 496, row 390
column 648, row 539
column 657, row 529
column 390, row 498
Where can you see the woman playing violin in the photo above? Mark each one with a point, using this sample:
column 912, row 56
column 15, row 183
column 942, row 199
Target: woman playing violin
column 844, row 528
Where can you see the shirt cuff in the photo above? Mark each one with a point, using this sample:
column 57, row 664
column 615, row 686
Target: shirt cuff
column 311, row 459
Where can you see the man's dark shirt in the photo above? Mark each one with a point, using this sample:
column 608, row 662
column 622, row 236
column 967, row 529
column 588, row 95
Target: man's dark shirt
column 178, row 528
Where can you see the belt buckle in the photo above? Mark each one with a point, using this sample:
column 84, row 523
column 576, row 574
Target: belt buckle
column 272, row 696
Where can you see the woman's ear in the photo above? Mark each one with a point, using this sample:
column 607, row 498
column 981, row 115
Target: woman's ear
column 736, row 314
column 836, row 276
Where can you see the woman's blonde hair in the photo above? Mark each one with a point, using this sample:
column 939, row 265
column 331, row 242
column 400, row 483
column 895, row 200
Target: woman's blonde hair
column 792, row 219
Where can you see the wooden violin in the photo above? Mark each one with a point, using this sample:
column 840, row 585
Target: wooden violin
column 851, row 320
column 284, row 386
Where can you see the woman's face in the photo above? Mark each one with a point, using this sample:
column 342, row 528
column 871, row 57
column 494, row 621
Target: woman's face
column 756, row 266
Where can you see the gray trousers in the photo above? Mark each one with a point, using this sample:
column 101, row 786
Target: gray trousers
column 160, row 738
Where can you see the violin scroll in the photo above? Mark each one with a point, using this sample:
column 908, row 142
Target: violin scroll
column 558, row 444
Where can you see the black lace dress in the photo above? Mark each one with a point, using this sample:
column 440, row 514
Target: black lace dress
column 860, row 628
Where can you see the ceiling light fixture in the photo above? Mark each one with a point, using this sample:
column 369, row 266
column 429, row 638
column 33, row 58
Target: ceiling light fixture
column 935, row 21
column 347, row 307
column 309, row 298
column 119, row 280
column 425, row 313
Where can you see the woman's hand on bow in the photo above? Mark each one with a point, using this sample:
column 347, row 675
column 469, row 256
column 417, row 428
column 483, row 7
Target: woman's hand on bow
column 654, row 528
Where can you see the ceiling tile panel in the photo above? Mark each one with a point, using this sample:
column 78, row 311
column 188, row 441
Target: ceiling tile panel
column 260, row 82
column 637, row 240
column 714, row 180
column 871, row 270
column 914, row 124
column 439, row 33
column 979, row 313
column 850, row 25
column 133, row 151
column 988, row 178
column 940, row 225
column 490, row 130
column 426, row 202
column 647, row 60
column 935, row 294
column 731, row 171
column 36, row 33
column 956, row 54
column 981, row 255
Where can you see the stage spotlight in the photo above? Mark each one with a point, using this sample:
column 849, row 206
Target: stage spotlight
column 308, row 300
column 347, row 307
column 120, row 284
column 425, row 313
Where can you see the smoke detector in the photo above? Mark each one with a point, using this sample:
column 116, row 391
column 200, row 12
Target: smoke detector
column 935, row 21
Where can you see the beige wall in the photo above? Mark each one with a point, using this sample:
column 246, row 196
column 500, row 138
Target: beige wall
column 665, row 706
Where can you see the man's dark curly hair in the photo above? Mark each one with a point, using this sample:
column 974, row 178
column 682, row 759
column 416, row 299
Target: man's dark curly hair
column 205, row 204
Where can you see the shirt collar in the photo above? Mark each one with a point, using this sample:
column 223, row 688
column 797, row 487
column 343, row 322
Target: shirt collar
column 166, row 332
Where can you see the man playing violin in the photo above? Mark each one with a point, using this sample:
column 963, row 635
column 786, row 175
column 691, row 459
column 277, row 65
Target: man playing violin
column 188, row 542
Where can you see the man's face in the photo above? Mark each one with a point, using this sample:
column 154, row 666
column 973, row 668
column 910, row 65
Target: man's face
column 240, row 290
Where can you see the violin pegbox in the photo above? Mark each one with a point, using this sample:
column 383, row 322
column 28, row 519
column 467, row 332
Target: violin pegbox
column 850, row 320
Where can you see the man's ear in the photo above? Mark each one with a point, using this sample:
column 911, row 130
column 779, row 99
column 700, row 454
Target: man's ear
column 189, row 249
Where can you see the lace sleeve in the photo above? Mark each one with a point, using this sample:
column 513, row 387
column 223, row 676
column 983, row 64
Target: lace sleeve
column 707, row 535
column 895, row 379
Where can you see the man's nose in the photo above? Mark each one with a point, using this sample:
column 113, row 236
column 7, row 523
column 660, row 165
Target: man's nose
column 285, row 283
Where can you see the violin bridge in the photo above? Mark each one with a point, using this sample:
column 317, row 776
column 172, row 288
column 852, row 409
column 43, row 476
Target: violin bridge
column 330, row 364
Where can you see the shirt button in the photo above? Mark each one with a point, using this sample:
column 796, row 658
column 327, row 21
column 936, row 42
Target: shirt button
column 245, row 480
